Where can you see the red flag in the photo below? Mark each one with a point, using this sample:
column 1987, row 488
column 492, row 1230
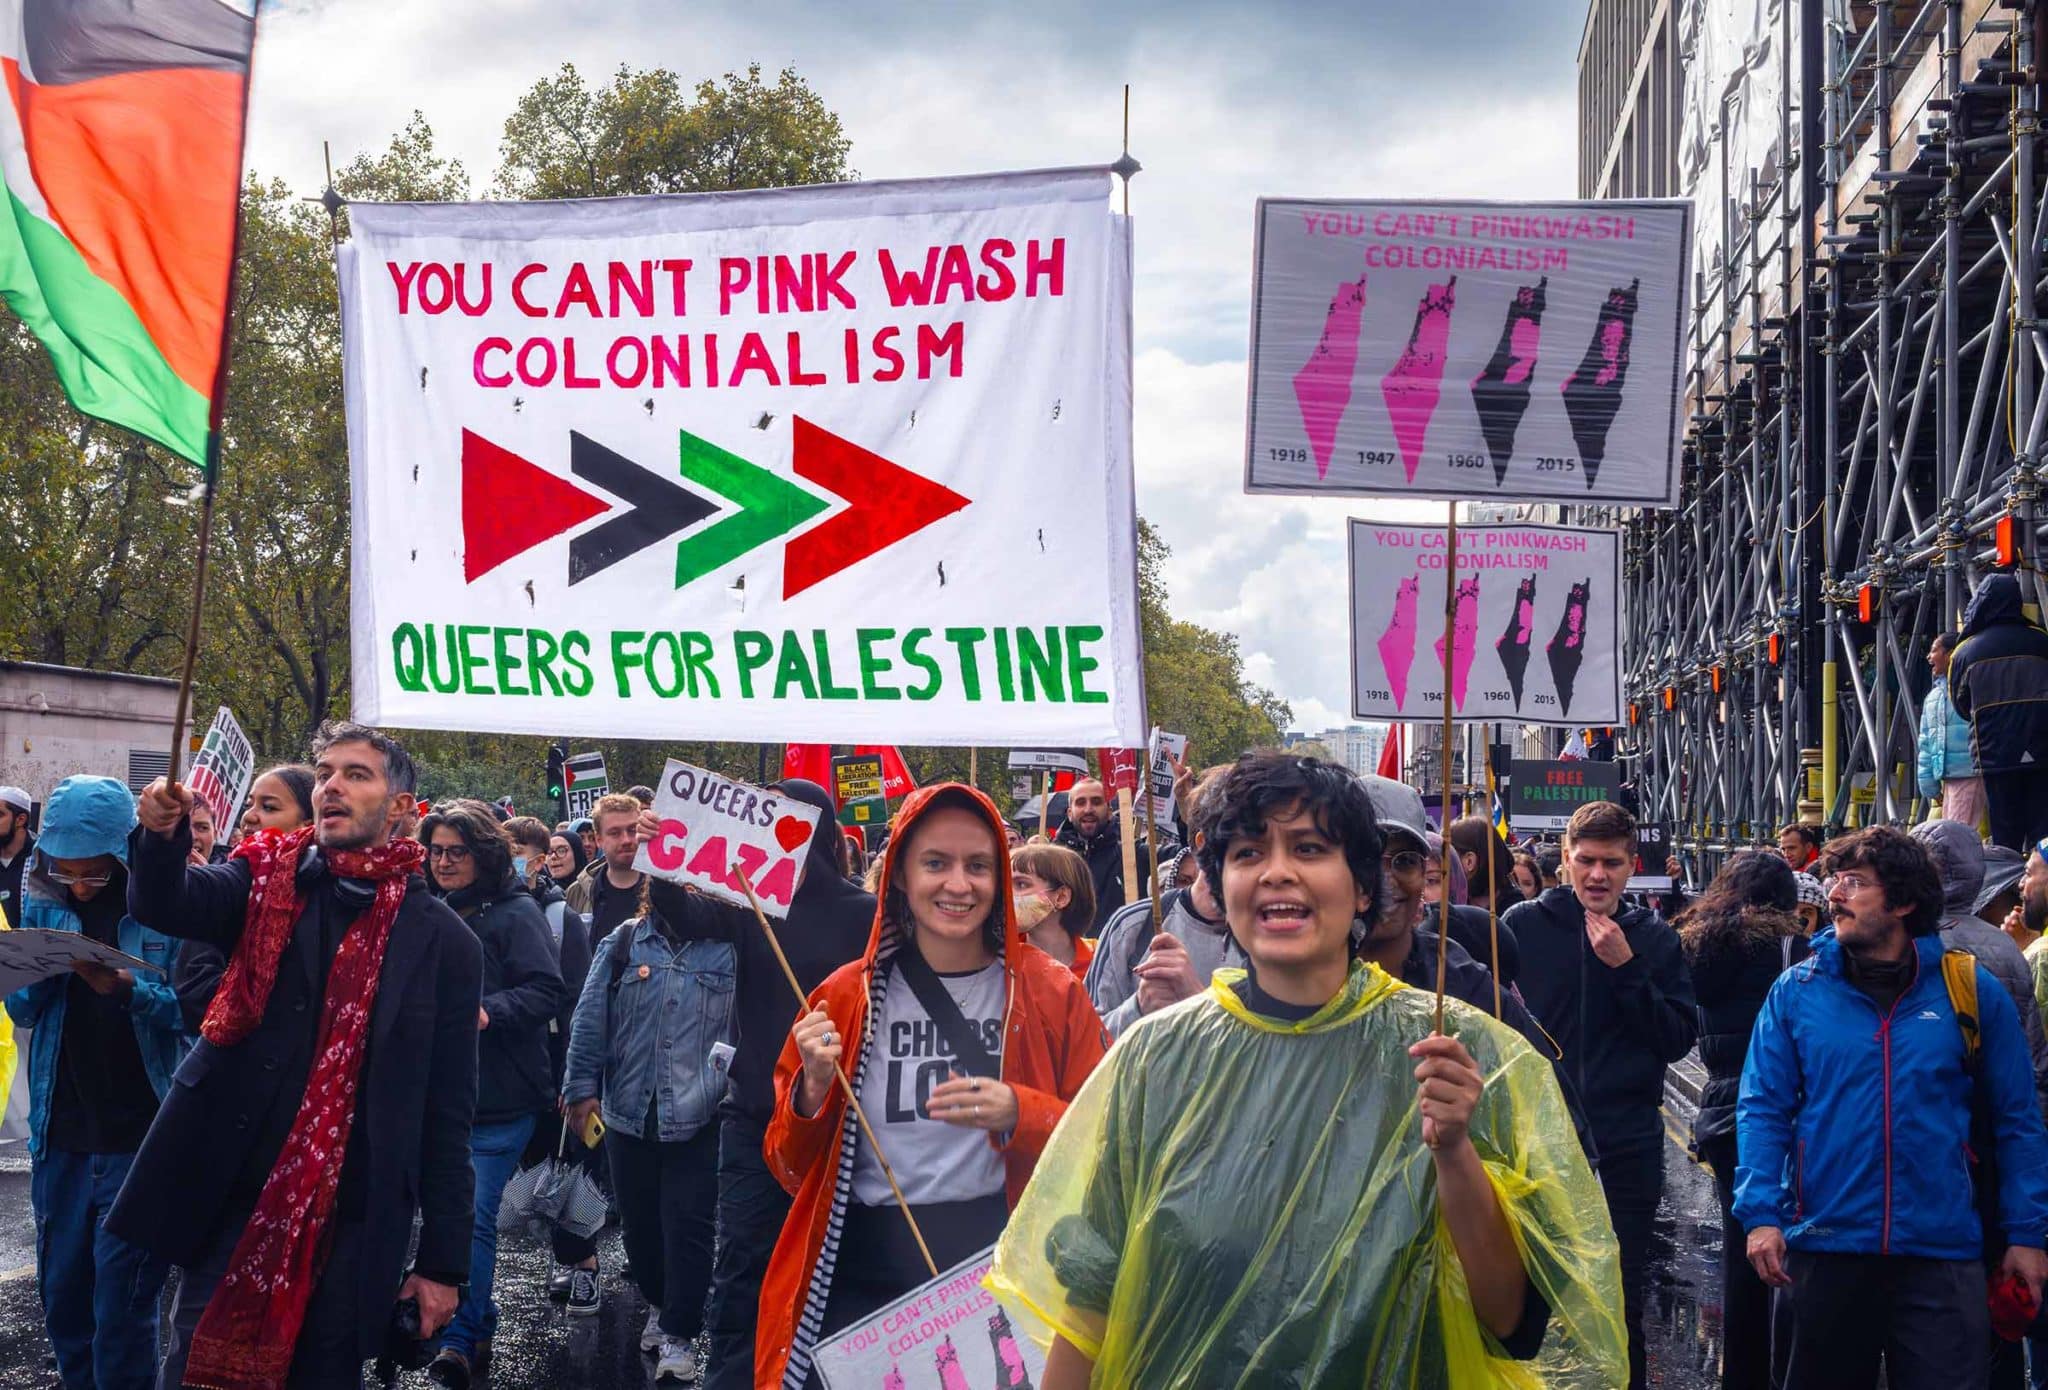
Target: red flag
column 1119, row 767
column 1390, row 754
column 812, row 762
column 896, row 778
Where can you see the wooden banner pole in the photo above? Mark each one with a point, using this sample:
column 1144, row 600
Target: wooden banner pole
column 1450, row 733
column 804, row 1005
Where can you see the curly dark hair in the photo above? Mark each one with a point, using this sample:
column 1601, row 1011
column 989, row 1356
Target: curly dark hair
column 479, row 829
column 1752, row 879
column 1903, row 867
column 1237, row 802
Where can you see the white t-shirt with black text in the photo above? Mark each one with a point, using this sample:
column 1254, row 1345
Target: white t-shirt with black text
column 934, row 1161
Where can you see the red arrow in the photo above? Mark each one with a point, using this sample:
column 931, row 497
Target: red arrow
column 889, row 503
column 509, row 505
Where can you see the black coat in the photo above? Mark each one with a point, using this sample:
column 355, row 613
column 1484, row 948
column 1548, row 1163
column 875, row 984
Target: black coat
column 522, row 993
column 1472, row 929
column 1470, row 980
column 830, row 920
column 1619, row 1027
column 1733, row 966
column 1998, row 679
column 1104, row 851
column 413, row 1107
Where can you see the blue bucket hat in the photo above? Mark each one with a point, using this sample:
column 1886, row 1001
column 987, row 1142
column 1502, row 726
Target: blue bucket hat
column 88, row 816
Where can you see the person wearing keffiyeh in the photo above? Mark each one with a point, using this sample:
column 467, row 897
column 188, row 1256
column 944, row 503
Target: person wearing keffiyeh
column 330, row 1096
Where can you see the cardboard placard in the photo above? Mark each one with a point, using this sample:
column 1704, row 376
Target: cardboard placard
column 947, row 1333
column 223, row 768
column 1537, row 626
column 584, row 782
column 37, row 953
column 1543, row 795
column 1165, row 748
column 1500, row 351
column 711, row 825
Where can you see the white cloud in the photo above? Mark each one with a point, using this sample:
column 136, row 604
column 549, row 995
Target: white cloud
column 1223, row 111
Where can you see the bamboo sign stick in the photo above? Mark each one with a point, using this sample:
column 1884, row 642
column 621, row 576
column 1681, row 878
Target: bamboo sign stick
column 803, row 1003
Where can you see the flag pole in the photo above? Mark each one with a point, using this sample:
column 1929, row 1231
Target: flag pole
column 216, row 410
column 866, row 1129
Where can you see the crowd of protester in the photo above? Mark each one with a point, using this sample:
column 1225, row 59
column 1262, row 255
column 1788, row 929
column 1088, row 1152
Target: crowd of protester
column 363, row 1019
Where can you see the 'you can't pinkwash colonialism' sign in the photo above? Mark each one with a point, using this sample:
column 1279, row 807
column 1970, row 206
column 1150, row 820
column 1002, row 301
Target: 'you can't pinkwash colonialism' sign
column 1537, row 624
column 948, row 1334
column 1505, row 351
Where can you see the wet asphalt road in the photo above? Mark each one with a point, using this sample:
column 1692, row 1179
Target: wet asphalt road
column 541, row 1348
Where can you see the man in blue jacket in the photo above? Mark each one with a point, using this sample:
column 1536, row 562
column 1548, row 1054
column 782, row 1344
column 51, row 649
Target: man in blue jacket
column 1853, row 1176
column 104, row 1046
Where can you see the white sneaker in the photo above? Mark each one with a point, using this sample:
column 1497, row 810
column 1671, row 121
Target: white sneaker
column 678, row 1363
column 650, row 1335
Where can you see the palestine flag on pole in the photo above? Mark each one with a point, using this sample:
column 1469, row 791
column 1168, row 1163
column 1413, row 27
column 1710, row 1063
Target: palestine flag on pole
column 121, row 148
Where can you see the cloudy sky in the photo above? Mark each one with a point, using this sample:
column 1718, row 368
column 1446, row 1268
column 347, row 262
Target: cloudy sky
column 1378, row 98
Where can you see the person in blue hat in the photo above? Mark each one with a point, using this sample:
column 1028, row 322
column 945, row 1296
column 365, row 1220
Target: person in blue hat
column 104, row 1045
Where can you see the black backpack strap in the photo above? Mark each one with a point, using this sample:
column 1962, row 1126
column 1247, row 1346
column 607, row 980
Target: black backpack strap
column 969, row 1055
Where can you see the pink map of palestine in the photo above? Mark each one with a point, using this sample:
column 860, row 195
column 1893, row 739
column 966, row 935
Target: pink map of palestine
column 1411, row 389
column 1322, row 387
column 1397, row 643
column 1465, row 627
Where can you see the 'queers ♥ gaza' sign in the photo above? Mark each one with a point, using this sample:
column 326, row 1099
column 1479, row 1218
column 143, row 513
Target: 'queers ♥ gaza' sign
column 712, row 825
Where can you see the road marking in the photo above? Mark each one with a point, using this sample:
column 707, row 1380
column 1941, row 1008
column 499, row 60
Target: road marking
column 11, row 1276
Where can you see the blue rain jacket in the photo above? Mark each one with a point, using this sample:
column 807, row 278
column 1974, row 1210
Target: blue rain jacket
column 1853, row 1127
column 86, row 817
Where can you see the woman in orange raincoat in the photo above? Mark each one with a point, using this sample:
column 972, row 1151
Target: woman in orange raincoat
column 964, row 1042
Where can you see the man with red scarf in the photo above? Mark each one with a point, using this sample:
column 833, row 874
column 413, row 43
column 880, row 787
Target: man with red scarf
column 330, row 1096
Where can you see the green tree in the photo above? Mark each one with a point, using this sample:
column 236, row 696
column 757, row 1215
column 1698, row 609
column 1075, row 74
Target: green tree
column 643, row 133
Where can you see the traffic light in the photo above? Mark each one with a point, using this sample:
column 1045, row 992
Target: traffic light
column 558, row 784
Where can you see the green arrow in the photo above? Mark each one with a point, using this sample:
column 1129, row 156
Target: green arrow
column 768, row 506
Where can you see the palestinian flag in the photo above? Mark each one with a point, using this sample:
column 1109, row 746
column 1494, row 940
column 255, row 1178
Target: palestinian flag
column 121, row 149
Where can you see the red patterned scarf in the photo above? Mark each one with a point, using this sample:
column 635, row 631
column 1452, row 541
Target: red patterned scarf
column 250, row 1328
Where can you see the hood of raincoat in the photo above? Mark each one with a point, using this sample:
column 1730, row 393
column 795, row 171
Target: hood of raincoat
column 916, row 806
column 88, row 816
column 1997, row 600
column 1959, row 858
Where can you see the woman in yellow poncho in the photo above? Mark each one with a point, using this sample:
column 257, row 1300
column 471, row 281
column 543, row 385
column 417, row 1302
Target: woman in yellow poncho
column 1289, row 1181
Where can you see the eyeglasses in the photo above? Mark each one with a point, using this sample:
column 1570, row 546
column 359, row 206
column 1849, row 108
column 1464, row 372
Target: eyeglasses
column 1405, row 861
column 454, row 854
column 1851, row 883
column 64, row 880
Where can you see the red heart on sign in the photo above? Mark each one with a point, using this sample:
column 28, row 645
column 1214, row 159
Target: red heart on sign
column 791, row 832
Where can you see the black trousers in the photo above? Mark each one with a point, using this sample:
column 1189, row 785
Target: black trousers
column 751, row 1209
column 667, row 1196
column 1926, row 1320
column 1745, row 1299
column 328, row 1356
column 2017, row 804
column 1632, row 1175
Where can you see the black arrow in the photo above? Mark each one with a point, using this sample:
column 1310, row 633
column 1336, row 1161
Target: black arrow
column 660, row 508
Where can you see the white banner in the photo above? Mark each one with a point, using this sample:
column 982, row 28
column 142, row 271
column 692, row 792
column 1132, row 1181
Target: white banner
column 1505, row 351
column 848, row 463
column 712, row 825
column 945, row 1334
column 223, row 768
column 1538, row 624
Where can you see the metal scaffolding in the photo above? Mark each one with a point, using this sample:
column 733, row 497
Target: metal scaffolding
column 1867, row 424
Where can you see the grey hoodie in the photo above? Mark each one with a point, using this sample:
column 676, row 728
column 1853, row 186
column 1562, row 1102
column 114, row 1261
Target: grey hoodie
column 1128, row 936
column 1959, row 858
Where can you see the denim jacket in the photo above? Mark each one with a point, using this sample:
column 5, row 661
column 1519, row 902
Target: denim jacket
column 152, row 1007
column 656, row 1030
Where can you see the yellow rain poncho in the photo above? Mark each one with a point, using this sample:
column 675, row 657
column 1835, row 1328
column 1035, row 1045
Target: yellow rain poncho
column 1233, row 1200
